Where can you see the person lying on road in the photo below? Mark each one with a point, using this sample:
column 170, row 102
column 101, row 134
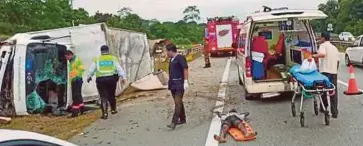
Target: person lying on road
column 231, row 120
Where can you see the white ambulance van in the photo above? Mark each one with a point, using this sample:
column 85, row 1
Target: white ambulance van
column 270, row 42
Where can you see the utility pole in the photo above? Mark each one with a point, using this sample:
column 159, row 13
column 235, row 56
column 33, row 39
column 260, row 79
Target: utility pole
column 72, row 10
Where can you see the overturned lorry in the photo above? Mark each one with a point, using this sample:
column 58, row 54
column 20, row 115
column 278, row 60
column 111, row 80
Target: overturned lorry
column 34, row 63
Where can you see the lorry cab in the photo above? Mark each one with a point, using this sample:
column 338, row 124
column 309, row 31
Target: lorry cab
column 269, row 43
column 34, row 65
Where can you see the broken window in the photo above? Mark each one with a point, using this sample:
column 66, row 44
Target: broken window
column 46, row 74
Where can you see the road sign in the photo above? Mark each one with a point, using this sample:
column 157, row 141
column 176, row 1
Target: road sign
column 330, row 27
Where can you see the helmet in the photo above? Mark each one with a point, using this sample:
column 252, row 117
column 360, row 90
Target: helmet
column 105, row 48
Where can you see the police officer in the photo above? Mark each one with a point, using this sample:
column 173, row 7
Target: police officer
column 206, row 53
column 178, row 83
column 108, row 71
column 76, row 70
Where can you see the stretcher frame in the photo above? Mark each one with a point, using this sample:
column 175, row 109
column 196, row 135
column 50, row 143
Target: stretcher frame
column 317, row 96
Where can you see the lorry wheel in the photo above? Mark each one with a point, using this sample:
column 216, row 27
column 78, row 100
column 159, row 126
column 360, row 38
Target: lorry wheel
column 214, row 54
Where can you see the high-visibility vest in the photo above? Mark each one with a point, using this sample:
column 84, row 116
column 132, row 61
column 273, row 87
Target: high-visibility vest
column 76, row 68
column 106, row 66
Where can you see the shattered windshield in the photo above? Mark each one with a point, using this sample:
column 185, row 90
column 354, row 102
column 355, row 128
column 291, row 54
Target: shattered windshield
column 47, row 65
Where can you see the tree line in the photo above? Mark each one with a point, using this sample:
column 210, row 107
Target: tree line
column 345, row 15
column 32, row 15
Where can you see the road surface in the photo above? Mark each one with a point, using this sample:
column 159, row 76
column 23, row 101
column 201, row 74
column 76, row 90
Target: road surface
column 143, row 121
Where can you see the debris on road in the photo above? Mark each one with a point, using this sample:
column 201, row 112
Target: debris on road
column 153, row 81
column 5, row 120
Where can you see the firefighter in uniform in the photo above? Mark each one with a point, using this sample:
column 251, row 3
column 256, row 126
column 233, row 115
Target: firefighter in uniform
column 206, row 53
column 108, row 71
column 76, row 70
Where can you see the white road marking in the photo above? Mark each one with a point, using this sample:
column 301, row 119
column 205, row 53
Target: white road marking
column 346, row 84
column 215, row 125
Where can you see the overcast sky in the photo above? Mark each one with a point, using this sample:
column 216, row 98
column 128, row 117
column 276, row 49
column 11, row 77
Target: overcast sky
column 171, row 10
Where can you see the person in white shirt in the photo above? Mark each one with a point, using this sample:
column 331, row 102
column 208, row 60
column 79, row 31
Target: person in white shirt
column 329, row 64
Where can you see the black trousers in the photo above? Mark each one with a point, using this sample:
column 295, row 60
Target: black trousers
column 333, row 99
column 77, row 94
column 106, row 87
column 61, row 91
column 179, row 111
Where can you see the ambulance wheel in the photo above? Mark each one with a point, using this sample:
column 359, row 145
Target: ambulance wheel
column 327, row 118
column 249, row 96
column 316, row 109
column 293, row 110
column 302, row 119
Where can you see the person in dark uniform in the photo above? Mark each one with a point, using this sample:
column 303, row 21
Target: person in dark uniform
column 206, row 53
column 178, row 83
column 76, row 70
column 108, row 71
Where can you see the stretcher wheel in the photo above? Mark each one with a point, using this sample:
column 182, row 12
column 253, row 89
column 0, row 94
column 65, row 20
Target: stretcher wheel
column 293, row 110
column 316, row 109
column 302, row 119
column 327, row 118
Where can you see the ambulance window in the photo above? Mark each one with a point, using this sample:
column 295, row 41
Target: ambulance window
column 241, row 42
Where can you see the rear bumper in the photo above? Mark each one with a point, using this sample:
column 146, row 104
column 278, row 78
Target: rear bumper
column 223, row 50
column 267, row 87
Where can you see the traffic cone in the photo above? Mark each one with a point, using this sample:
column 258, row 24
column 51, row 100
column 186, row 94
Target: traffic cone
column 352, row 86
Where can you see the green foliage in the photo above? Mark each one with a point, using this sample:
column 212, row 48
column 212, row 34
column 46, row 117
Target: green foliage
column 32, row 15
column 191, row 13
column 345, row 15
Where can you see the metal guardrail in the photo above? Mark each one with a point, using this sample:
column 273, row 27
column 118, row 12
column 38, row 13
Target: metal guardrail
column 344, row 44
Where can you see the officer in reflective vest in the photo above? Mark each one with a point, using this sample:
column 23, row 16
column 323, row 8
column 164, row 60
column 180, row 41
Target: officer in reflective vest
column 108, row 71
column 76, row 70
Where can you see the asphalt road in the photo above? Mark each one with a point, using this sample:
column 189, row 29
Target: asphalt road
column 273, row 121
column 142, row 122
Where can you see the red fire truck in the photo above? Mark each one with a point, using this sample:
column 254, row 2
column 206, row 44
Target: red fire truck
column 221, row 33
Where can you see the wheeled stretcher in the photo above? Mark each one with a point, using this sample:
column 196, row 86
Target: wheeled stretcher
column 310, row 85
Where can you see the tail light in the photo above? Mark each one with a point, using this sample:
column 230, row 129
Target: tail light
column 248, row 67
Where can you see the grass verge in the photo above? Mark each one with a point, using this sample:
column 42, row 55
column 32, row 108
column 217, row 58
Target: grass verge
column 60, row 127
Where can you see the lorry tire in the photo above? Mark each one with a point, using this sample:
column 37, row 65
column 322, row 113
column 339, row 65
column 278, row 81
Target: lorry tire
column 214, row 54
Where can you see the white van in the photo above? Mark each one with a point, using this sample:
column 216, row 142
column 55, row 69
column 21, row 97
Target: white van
column 269, row 43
